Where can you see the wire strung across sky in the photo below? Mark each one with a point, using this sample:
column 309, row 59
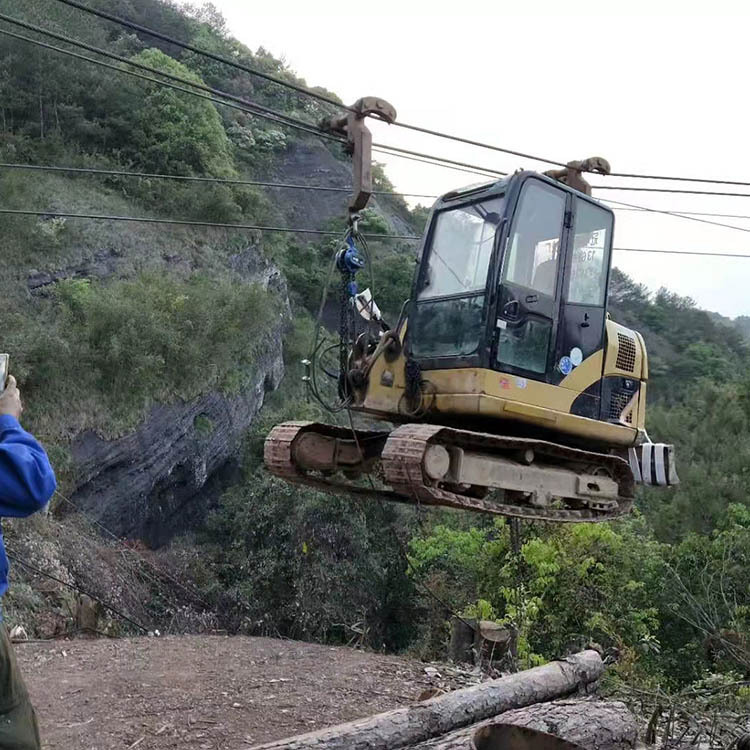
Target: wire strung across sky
column 213, row 95
column 192, row 223
column 670, row 190
column 676, row 215
column 224, row 98
column 206, row 53
column 619, row 205
column 329, row 100
column 196, row 178
column 217, row 96
column 690, row 213
column 300, row 230
column 221, row 97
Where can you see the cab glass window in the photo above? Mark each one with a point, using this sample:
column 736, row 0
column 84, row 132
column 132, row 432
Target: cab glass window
column 534, row 245
column 592, row 238
column 459, row 255
column 448, row 328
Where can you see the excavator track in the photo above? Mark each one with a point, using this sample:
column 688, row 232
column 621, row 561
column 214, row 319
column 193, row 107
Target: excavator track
column 402, row 459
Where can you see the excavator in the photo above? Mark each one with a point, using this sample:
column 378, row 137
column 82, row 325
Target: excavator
column 504, row 387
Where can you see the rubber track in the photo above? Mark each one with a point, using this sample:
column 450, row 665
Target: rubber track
column 401, row 461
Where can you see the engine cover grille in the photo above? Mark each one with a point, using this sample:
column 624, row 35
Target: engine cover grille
column 626, row 353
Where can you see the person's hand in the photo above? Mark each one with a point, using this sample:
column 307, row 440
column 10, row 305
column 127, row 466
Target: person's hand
column 10, row 399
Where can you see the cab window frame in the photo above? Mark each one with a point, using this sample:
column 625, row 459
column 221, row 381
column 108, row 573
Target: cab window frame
column 562, row 251
column 481, row 356
column 567, row 280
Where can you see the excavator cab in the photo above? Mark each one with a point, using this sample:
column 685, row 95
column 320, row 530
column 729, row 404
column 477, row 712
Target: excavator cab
column 505, row 386
column 513, row 278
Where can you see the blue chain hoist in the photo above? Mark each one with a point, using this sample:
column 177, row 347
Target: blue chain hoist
column 348, row 261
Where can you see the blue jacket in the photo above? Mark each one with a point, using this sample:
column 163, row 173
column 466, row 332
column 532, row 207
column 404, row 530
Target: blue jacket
column 26, row 479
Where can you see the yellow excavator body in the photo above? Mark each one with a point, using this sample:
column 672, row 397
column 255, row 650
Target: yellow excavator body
column 495, row 395
column 506, row 386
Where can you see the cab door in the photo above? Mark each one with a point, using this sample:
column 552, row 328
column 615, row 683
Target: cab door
column 529, row 283
column 583, row 315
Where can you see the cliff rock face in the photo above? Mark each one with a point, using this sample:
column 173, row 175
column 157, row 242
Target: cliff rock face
column 311, row 163
column 160, row 480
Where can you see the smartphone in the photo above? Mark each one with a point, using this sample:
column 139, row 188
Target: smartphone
column 4, row 364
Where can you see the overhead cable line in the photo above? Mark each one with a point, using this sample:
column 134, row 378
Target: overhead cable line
column 77, row 588
column 675, row 215
column 619, row 205
column 298, row 230
column 185, row 222
column 205, row 53
column 680, row 179
column 443, row 161
column 438, row 164
column 688, row 213
column 231, row 101
column 288, row 84
column 329, row 100
column 281, row 118
column 194, row 178
column 670, row 190
column 479, row 144
column 217, row 96
column 682, row 252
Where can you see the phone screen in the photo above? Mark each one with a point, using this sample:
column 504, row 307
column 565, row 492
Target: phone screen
column 4, row 360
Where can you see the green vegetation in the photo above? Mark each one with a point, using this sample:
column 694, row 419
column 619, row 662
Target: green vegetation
column 666, row 590
column 107, row 352
column 174, row 133
column 106, row 320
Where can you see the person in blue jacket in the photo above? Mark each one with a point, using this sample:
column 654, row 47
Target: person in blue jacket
column 27, row 482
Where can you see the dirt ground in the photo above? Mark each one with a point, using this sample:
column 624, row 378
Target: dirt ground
column 205, row 692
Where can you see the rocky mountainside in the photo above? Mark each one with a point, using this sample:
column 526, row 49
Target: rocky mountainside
column 144, row 351
column 159, row 478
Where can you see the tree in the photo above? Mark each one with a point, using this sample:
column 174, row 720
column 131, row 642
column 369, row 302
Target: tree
column 177, row 133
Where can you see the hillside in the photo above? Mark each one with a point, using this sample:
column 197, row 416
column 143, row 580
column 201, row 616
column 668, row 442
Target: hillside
column 175, row 331
column 154, row 358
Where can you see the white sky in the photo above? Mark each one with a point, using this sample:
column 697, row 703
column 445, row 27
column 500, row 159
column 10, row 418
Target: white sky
column 659, row 89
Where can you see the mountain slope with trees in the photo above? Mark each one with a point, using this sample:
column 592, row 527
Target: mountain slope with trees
column 111, row 324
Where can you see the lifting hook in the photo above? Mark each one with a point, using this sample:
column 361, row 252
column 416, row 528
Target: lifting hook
column 359, row 144
column 570, row 174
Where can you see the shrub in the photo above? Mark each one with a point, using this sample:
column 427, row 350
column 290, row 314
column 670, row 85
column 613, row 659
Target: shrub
column 129, row 344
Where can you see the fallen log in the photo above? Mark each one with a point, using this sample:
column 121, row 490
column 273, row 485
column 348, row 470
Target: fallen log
column 591, row 724
column 408, row 726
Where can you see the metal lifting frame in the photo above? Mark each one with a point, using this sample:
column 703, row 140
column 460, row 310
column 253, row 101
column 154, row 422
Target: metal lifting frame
column 359, row 144
column 571, row 174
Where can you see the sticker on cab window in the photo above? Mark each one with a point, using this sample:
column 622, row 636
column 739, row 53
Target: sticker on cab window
column 565, row 365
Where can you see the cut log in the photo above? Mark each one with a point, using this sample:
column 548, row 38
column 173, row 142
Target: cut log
column 408, row 726
column 593, row 725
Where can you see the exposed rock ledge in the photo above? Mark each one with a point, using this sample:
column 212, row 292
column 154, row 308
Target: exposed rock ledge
column 160, row 479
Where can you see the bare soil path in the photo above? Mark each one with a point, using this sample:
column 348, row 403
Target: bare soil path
column 205, row 692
